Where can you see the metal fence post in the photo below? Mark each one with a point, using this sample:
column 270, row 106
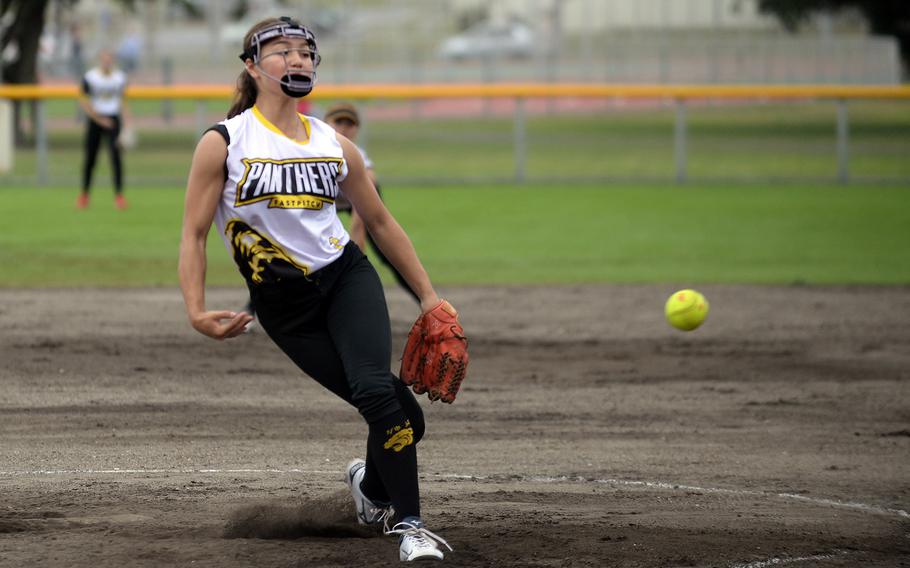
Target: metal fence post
column 487, row 76
column 843, row 142
column 41, row 141
column 167, row 78
column 679, row 141
column 521, row 143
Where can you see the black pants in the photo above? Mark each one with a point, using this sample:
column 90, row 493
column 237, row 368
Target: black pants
column 93, row 135
column 334, row 325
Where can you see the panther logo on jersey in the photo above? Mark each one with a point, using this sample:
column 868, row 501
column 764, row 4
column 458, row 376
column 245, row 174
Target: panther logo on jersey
column 299, row 183
column 259, row 259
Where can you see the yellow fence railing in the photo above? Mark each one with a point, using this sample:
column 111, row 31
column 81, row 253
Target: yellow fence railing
column 499, row 90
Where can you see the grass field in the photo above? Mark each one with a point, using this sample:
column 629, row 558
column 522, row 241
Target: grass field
column 725, row 226
column 510, row 234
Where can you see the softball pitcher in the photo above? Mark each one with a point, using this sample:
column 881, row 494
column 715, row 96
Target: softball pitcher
column 269, row 177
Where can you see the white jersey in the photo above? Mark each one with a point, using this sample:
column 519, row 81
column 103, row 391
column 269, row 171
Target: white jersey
column 105, row 91
column 277, row 210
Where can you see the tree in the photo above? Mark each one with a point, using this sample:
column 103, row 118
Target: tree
column 885, row 17
column 20, row 39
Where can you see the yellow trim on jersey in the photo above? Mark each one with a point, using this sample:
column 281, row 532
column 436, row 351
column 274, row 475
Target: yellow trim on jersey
column 265, row 122
column 247, row 165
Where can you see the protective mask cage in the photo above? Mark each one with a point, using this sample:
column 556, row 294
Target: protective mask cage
column 292, row 84
column 288, row 28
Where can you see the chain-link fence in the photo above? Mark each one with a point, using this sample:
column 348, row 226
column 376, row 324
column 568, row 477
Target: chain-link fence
column 602, row 42
column 473, row 139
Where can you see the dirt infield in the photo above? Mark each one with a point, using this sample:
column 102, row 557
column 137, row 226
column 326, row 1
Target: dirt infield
column 589, row 433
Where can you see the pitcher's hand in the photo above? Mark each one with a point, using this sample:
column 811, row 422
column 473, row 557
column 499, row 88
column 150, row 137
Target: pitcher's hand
column 221, row 324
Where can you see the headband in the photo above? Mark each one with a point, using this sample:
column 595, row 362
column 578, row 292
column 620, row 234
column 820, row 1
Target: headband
column 285, row 27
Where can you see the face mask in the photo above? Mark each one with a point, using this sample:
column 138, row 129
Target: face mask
column 294, row 84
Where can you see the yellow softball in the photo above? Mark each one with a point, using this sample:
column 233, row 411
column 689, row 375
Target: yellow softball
column 686, row 309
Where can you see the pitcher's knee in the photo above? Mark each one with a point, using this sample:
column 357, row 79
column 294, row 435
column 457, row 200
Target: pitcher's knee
column 415, row 415
column 376, row 399
column 411, row 409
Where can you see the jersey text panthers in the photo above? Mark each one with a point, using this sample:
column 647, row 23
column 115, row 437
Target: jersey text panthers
column 277, row 213
column 299, row 183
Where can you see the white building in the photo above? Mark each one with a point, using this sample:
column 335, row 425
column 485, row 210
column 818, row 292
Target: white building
column 604, row 15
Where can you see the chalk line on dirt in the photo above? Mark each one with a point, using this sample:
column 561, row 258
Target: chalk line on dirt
column 780, row 561
column 874, row 509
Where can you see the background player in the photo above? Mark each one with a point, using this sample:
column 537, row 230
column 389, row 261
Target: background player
column 106, row 114
column 345, row 119
column 269, row 177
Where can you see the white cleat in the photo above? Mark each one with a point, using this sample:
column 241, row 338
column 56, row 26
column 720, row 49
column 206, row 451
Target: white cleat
column 368, row 512
column 416, row 542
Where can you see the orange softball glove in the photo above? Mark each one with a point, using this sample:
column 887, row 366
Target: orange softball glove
column 435, row 357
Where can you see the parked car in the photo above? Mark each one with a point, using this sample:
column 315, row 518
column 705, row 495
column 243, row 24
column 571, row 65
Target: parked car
column 491, row 40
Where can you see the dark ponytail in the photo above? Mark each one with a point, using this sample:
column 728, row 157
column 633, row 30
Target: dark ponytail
column 245, row 97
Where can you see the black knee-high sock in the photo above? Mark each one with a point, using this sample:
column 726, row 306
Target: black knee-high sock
column 391, row 447
column 372, row 485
